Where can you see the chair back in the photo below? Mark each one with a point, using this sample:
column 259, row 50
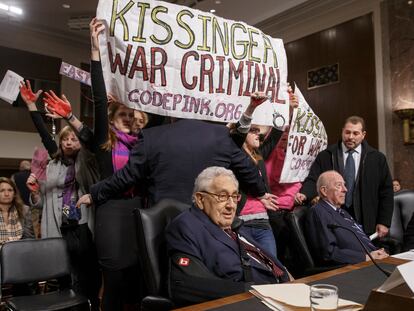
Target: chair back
column 153, row 257
column 32, row 260
column 403, row 211
column 298, row 244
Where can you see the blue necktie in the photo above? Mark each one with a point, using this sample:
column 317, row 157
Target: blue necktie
column 357, row 229
column 349, row 176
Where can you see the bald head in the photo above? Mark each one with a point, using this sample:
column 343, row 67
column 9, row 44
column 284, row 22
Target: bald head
column 331, row 188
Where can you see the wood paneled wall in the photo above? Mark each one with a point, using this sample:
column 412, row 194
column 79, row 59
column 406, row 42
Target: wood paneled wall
column 350, row 44
column 30, row 66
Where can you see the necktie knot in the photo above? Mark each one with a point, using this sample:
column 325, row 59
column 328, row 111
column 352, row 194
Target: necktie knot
column 351, row 151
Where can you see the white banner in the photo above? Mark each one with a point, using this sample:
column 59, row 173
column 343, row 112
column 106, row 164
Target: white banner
column 307, row 137
column 175, row 61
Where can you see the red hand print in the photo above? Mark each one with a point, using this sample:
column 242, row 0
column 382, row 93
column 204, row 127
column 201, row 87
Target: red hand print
column 27, row 94
column 57, row 105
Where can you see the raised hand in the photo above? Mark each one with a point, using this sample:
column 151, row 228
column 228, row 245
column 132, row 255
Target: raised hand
column 256, row 99
column 27, row 94
column 56, row 105
column 95, row 27
column 32, row 183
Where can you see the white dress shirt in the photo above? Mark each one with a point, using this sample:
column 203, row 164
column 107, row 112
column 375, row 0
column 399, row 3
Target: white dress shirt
column 356, row 155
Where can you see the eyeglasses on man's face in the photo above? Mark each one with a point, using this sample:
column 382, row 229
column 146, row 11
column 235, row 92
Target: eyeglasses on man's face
column 224, row 197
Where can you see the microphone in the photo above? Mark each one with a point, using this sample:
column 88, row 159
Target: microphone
column 335, row 226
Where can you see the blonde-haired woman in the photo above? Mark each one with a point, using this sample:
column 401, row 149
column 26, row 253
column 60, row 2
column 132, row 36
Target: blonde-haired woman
column 68, row 174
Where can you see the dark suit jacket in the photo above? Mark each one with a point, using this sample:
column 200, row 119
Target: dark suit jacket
column 193, row 233
column 409, row 235
column 20, row 179
column 332, row 245
column 373, row 198
column 167, row 159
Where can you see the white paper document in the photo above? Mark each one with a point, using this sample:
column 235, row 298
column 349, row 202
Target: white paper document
column 409, row 255
column 373, row 236
column 292, row 295
column 402, row 274
column 9, row 87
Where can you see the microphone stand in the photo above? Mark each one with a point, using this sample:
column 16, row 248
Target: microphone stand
column 244, row 258
column 335, row 226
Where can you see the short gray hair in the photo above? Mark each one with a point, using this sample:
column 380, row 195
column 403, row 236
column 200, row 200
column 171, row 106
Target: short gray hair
column 323, row 180
column 206, row 177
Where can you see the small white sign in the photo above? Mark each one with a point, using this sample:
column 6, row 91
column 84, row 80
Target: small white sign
column 75, row 73
column 9, row 87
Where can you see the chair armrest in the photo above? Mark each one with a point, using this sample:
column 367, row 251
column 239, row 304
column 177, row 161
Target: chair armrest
column 156, row 303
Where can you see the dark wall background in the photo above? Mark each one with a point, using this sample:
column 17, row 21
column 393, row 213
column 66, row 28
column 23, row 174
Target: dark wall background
column 350, row 44
column 42, row 70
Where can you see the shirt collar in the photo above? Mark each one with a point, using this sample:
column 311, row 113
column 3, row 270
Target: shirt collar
column 357, row 149
column 331, row 205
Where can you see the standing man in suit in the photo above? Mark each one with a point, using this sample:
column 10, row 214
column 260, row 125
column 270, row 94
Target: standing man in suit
column 167, row 159
column 211, row 257
column 370, row 198
column 336, row 245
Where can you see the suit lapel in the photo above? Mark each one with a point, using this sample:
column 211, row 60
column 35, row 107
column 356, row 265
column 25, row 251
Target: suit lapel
column 338, row 219
column 214, row 230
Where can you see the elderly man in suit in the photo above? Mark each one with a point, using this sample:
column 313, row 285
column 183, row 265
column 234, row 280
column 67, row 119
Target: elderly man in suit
column 370, row 198
column 336, row 245
column 212, row 256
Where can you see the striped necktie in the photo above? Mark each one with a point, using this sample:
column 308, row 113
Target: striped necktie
column 257, row 254
column 357, row 228
column 349, row 176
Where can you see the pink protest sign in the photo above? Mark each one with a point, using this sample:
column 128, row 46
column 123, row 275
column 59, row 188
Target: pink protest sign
column 39, row 163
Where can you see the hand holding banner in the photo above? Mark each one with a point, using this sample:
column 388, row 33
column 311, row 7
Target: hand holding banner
column 307, row 137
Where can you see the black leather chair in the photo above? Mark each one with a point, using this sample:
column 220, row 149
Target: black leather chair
column 27, row 261
column 153, row 256
column 301, row 262
column 403, row 211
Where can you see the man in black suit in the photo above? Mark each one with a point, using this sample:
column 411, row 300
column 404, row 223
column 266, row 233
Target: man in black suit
column 370, row 198
column 336, row 245
column 167, row 159
column 208, row 258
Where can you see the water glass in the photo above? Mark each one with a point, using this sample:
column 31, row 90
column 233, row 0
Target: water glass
column 323, row 297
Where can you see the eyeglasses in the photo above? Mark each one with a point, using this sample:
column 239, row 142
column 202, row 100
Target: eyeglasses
column 224, row 197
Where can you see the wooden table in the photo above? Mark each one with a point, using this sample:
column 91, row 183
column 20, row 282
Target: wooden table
column 244, row 296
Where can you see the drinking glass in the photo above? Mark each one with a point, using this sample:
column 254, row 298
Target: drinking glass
column 323, row 297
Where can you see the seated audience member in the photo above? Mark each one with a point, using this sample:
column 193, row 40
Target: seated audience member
column 336, row 245
column 210, row 257
column 409, row 235
column 15, row 217
column 396, row 185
